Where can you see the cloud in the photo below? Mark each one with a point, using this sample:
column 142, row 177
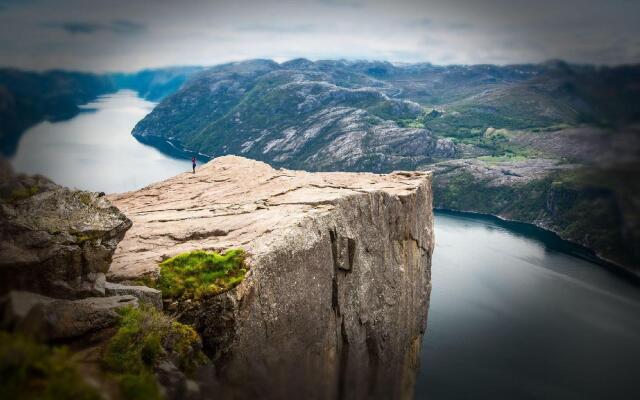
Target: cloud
column 127, row 27
column 107, row 35
column 78, row 27
column 276, row 28
column 342, row 3
column 122, row 27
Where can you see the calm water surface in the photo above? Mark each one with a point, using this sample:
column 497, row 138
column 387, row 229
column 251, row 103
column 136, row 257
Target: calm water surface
column 95, row 150
column 514, row 313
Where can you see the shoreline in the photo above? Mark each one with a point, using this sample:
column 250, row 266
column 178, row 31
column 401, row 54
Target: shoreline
column 171, row 148
column 574, row 248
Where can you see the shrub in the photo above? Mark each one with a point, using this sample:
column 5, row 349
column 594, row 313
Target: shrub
column 144, row 337
column 31, row 370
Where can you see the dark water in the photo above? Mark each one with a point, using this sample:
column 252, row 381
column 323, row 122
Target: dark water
column 95, row 150
column 515, row 314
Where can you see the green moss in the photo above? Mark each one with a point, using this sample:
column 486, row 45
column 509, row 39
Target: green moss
column 198, row 274
column 80, row 238
column 22, row 193
column 145, row 337
column 145, row 280
column 31, row 370
column 85, row 198
column 510, row 157
column 140, row 386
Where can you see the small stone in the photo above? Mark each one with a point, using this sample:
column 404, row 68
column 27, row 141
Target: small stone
column 144, row 294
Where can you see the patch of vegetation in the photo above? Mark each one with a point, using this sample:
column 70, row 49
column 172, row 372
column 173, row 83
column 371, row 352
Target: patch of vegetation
column 421, row 120
column 145, row 280
column 22, row 193
column 31, row 370
column 199, row 274
column 498, row 145
column 462, row 191
column 506, row 157
column 85, row 198
column 145, row 337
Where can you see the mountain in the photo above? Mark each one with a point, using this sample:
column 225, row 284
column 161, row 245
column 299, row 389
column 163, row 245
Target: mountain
column 27, row 98
column 553, row 144
column 382, row 116
column 154, row 84
column 303, row 118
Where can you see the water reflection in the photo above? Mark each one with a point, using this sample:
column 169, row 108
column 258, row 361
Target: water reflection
column 514, row 314
column 95, row 149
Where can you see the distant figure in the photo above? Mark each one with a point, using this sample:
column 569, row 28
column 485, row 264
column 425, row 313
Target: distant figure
column 193, row 164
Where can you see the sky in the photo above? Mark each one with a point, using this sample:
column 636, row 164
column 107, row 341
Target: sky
column 129, row 35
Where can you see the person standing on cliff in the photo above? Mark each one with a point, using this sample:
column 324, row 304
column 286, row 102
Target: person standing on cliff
column 193, row 164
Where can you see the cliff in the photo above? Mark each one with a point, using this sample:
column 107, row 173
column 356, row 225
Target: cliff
column 335, row 301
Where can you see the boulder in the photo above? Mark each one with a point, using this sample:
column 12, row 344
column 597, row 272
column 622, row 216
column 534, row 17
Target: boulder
column 55, row 319
column 53, row 240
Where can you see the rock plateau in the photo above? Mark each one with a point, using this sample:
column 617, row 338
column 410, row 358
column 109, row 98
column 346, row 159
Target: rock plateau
column 335, row 302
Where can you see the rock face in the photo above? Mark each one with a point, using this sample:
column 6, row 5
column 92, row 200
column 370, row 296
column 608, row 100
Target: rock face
column 144, row 294
column 335, row 302
column 53, row 240
column 54, row 319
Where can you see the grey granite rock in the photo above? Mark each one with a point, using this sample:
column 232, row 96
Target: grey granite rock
column 54, row 240
column 335, row 302
column 54, row 319
column 144, row 294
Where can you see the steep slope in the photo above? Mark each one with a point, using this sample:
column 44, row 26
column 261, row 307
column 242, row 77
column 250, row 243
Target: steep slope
column 580, row 183
column 298, row 118
column 335, row 300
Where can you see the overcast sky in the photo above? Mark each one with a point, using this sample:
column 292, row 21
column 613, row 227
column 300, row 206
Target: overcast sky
column 127, row 35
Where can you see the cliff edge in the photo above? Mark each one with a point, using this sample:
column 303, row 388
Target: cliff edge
column 335, row 302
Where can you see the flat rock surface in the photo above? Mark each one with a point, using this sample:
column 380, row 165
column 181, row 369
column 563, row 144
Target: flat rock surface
column 233, row 202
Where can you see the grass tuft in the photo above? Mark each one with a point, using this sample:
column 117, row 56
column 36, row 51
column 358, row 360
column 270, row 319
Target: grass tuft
column 199, row 274
column 145, row 337
column 31, row 370
column 22, row 193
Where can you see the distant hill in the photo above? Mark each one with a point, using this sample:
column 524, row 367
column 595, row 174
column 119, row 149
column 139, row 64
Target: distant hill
column 553, row 144
column 379, row 116
column 27, row 98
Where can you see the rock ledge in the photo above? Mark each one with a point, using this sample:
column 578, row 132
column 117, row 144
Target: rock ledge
column 336, row 300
